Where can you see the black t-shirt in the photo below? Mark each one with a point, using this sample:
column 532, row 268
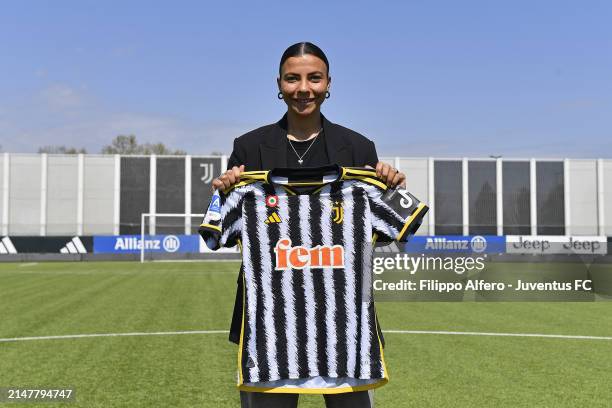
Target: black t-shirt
column 315, row 157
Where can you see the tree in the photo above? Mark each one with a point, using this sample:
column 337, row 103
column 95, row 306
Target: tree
column 160, row 148
column 127, row 144
column 122, row 144
column 61, row 150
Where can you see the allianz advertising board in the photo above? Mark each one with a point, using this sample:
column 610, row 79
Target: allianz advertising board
column 131, row 244
column 550, row 244
column 457, row 243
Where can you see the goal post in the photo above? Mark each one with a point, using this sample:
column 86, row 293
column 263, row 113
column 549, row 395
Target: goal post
column 185, row 225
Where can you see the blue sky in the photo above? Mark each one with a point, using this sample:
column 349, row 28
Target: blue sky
column 420, row 78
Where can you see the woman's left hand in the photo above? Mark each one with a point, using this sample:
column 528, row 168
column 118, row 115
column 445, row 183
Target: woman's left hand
column 390, row 175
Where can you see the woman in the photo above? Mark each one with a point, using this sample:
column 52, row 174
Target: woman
column 302, row 138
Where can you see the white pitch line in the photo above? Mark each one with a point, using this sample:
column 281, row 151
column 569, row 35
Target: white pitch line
column 78, row 336
column 552, row 336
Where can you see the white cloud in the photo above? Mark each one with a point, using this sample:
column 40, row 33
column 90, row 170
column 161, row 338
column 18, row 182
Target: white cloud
column 61, row 97
column 65, row 115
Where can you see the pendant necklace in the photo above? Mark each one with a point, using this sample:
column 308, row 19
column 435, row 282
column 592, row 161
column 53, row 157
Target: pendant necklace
column 301, row 158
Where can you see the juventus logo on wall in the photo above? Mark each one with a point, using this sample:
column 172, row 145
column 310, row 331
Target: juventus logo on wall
column 338, row 212
column 208, row 172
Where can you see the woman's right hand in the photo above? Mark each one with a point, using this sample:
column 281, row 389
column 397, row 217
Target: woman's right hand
column 228, row 179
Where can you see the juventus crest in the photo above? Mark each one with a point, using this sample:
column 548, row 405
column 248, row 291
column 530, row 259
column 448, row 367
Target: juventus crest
column 337, row 212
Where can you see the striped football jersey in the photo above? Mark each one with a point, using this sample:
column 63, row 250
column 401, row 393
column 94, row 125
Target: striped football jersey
column 306, row 238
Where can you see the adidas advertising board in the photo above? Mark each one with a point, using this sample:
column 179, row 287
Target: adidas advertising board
column 46, row 245
column 6, row 246
column 104, row 244
column 74, row 246
column 544, row 244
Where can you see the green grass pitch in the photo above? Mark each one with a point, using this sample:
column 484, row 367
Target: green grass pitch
column 198, row 370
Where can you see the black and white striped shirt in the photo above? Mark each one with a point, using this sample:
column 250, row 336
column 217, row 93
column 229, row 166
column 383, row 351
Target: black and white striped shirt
column 306, row 238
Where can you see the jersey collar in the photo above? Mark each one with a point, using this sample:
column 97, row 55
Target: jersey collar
column 306, row 179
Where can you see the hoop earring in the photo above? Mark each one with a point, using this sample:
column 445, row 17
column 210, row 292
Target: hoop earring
column 280, row 95
column 327, row 94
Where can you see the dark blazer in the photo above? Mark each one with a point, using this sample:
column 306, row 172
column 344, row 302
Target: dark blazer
column 265, row 148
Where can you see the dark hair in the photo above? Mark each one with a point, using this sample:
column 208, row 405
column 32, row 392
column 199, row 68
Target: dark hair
column 303, row 48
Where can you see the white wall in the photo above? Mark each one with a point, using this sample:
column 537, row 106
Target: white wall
column 3, row 222
column 607, row 196
column 25, row 194
column 98, row 191
column 583, row 197
column 62, row 194
column 59, row 198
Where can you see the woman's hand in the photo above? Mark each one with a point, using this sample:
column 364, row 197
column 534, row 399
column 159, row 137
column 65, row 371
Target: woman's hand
column 390, row 175
column 228, row 179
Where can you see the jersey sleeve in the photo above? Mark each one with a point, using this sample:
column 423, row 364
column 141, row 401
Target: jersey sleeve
column 396, row 214
column 222, row 224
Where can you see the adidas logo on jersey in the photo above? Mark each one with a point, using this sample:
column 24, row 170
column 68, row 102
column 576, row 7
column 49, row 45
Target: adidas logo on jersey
column 300, row 257
column 273, row 218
